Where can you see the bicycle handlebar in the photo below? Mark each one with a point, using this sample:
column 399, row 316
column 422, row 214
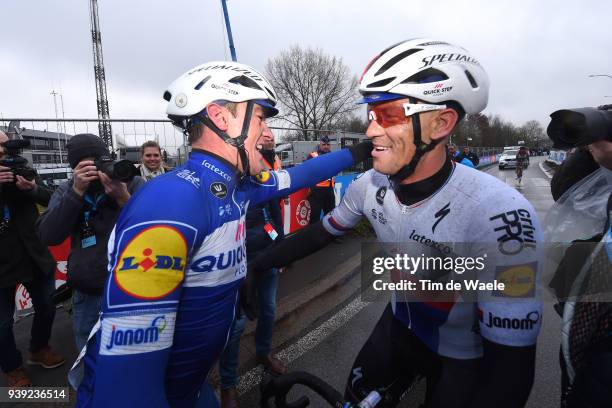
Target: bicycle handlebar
column 279, row 387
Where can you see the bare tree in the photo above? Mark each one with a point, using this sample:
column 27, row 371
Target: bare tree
column 315, row 90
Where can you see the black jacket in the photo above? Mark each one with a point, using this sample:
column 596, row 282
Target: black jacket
column 87, row 267
column 22, row 254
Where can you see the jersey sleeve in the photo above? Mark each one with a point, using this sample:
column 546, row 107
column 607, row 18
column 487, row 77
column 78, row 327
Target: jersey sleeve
column 148, row 253
column 508, row 234
column 273, row 184
column 350, row 211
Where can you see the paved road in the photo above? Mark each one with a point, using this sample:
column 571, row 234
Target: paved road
column 328, row 345
column 330, row 352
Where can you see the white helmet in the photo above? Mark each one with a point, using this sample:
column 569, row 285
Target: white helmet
column 190, row 93
column 429, row 70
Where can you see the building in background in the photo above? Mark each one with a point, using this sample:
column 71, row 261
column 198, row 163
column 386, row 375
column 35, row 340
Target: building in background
column 47, row 152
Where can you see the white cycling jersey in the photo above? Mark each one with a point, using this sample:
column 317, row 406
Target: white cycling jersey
column 471, row 211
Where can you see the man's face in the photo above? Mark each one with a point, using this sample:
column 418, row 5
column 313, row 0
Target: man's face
column 324, row 147
column 267, row 141
column 466, row 150
column 392, row 136
column 258, row 128
column 602, row 153
column 3, row 138
column 151, row 158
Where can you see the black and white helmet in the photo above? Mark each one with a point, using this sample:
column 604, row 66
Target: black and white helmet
column 190, row 93
column 429, row 70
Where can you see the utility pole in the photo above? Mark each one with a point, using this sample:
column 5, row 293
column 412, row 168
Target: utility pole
column 57, row 126
column 104, row 125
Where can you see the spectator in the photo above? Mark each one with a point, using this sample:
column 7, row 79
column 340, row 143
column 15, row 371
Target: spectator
column 264, row 227
column 151, row 160
column 581, row 281
column 322, row 195
column 24, row 259
column 467, row 154
column 85, row 209
column 459, row 157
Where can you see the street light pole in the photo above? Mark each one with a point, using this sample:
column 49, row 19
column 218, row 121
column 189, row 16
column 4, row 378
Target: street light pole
column 59, row 143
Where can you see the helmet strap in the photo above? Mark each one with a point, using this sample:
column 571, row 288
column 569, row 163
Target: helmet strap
column 237, row 142
column 421, row 149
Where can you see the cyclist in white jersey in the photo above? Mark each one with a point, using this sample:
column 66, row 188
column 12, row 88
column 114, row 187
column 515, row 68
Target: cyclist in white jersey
column 473, row 354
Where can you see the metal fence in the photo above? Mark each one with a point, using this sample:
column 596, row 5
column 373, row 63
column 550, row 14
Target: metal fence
column 134, row 132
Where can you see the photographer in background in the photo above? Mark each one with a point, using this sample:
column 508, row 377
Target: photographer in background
column 581, row 214
column 24, row 259
column 86, row 208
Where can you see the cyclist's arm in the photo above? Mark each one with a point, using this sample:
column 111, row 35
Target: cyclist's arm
column 507, row 230
column 310, row 172
column 507, row 374
column 311, row 239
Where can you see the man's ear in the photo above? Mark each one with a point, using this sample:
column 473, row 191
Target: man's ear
column 217, row 114
column 444, row 123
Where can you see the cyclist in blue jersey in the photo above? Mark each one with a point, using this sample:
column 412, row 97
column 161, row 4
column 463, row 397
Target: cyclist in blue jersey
column 177, row 254
column 476, row 353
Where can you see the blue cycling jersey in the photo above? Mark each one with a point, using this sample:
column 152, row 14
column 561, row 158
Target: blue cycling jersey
column 176, row 260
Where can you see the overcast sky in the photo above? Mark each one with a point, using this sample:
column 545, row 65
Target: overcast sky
column 538, row 54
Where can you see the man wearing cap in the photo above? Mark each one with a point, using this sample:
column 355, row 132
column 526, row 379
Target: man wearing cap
column 85, row 209
column 322, row 194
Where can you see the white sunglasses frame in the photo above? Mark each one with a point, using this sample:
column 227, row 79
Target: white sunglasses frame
column 411, row 109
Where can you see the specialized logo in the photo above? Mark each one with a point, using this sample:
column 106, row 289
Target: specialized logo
column 357, row 375
column 512, row 323
column 152, row 265
column 218, row 189
column 439, row 216
column 134, row 334
column 263, row 176
column 518, row 280
column 442, row 58
column 302, row 212
column 517, row 230
column 190, row 177
column 380, row 195
column 128, row 337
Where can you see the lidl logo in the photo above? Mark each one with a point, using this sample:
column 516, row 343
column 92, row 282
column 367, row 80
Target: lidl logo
column 519, row 280
column 152, row 264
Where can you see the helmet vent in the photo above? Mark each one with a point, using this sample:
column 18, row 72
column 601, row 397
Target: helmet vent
column 426, row 76
column 382, row 82
column 201, row 84
column 396, row 59
column 471, row 79
column 270, row 92
column 245, row 81
column 167, row 96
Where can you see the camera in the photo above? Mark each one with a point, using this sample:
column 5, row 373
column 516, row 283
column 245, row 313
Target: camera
column 14, row 161
column 122, row 170
column 570, row 128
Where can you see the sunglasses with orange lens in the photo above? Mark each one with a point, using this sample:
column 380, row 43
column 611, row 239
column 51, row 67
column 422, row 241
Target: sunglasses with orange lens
column 396, row 113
